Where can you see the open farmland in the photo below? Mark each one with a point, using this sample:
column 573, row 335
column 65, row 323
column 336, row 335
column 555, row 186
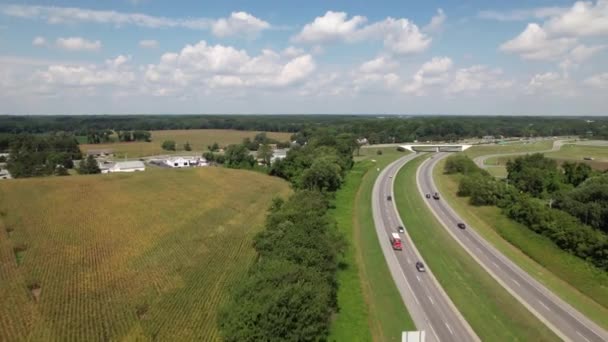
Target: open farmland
column 139, row 256
column 199, row 139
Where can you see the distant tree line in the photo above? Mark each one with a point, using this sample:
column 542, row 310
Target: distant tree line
column 40, row 155
column 567, row 204
column 377, row 129
column 289, row 294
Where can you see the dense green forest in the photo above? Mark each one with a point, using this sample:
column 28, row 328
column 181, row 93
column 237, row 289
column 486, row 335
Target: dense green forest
column 289, row 294
column 568, row 203
column 377, row 129
column 40, row 155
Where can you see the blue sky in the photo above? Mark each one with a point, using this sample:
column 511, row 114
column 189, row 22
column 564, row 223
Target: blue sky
column 411, row 57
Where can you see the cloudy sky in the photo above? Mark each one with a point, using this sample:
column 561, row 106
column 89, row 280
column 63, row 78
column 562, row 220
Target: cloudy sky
column 405, row 57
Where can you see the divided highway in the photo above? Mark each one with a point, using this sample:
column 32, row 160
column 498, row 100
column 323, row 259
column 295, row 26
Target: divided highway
column 564, row 320
column 427, row 303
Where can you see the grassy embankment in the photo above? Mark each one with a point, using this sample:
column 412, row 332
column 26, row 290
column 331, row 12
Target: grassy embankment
column 199, row 139
column 568, row 152
column 573, row 280
column 370, row 305
column 498, row 169
column 141, row 256
column 490, row 310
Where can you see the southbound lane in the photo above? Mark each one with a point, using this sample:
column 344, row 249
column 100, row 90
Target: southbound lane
column 427, row 303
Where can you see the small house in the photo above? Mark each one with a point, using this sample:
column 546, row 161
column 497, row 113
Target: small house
column 185, row 162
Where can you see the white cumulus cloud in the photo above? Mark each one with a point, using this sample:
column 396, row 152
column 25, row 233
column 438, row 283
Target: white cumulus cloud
column 239, row 23
column 535, row 43
column 599, row 81
column 39, row 41
column 78, row 44
column 399, row 36
column 148, row 43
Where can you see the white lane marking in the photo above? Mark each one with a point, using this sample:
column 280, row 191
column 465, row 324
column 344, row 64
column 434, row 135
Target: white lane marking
column 543, row 304
column 450, row 329
column 417, row 277
column 431, row 299
column 581, row 335
column 516, row 282
column 434, row 333
column 495, row 264
column 408, row 260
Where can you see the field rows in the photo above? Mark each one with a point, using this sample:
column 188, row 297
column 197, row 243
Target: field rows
column 136, row 256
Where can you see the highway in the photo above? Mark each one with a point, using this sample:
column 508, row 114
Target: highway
column 427, row 303
column 564, row 320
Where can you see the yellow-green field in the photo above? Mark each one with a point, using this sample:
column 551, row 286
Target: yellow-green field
column 142, row 256
column 199, row 139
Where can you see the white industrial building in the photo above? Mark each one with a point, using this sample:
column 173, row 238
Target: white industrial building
column 125, row 166
column 185, row 161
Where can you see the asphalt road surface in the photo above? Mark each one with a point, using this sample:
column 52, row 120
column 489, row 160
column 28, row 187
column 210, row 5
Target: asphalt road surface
column 559, row 316
column 430, row 308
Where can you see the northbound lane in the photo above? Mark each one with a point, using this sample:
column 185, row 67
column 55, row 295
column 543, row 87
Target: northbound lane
column 559, row 316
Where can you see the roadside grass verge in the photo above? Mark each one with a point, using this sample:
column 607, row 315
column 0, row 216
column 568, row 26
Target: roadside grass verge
column 371, row 308
column 578, row 152
column 490, row 310
column 570, row 278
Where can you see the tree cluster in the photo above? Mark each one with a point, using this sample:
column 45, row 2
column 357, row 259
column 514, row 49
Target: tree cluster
column 137, row 135
column 168, row 145
column 290, row 293
column 569, row 205
column 320, row 163
column 385, row 129
column 41, row 155
column 88, row 166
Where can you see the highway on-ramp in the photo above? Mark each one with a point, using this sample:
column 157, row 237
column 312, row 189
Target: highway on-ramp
column 558, row 315
column 430, row 308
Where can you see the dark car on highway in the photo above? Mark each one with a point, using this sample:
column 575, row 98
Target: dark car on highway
column 420, row 267
column 436, row 196
column 400, row 229
column 389, row 198
column 461, row 225
column 428, row 195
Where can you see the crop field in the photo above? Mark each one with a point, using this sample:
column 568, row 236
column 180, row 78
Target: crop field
column 199, row 139
column 142, row 256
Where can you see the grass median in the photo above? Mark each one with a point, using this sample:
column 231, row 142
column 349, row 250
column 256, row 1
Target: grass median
column 490, row 310
column 570, row 278
column 371, row 308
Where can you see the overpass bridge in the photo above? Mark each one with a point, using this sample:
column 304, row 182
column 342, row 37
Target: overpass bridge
column 435, row 147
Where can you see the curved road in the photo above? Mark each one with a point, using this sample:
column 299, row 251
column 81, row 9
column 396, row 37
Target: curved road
column 430, row 308
column 559, row 316
column 481, row 160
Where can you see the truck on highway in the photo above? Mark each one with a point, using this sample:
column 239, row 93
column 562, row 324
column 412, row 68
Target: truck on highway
column 395, row 241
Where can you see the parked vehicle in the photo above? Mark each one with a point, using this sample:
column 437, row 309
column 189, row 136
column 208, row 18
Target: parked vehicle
column 436, row 196
column 420, row 267
column 461, row 225
column 401, row 229
column 396, row 241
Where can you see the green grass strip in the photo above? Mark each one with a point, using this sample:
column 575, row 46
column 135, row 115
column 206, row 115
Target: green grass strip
column 371, row 308
column 490, row 310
